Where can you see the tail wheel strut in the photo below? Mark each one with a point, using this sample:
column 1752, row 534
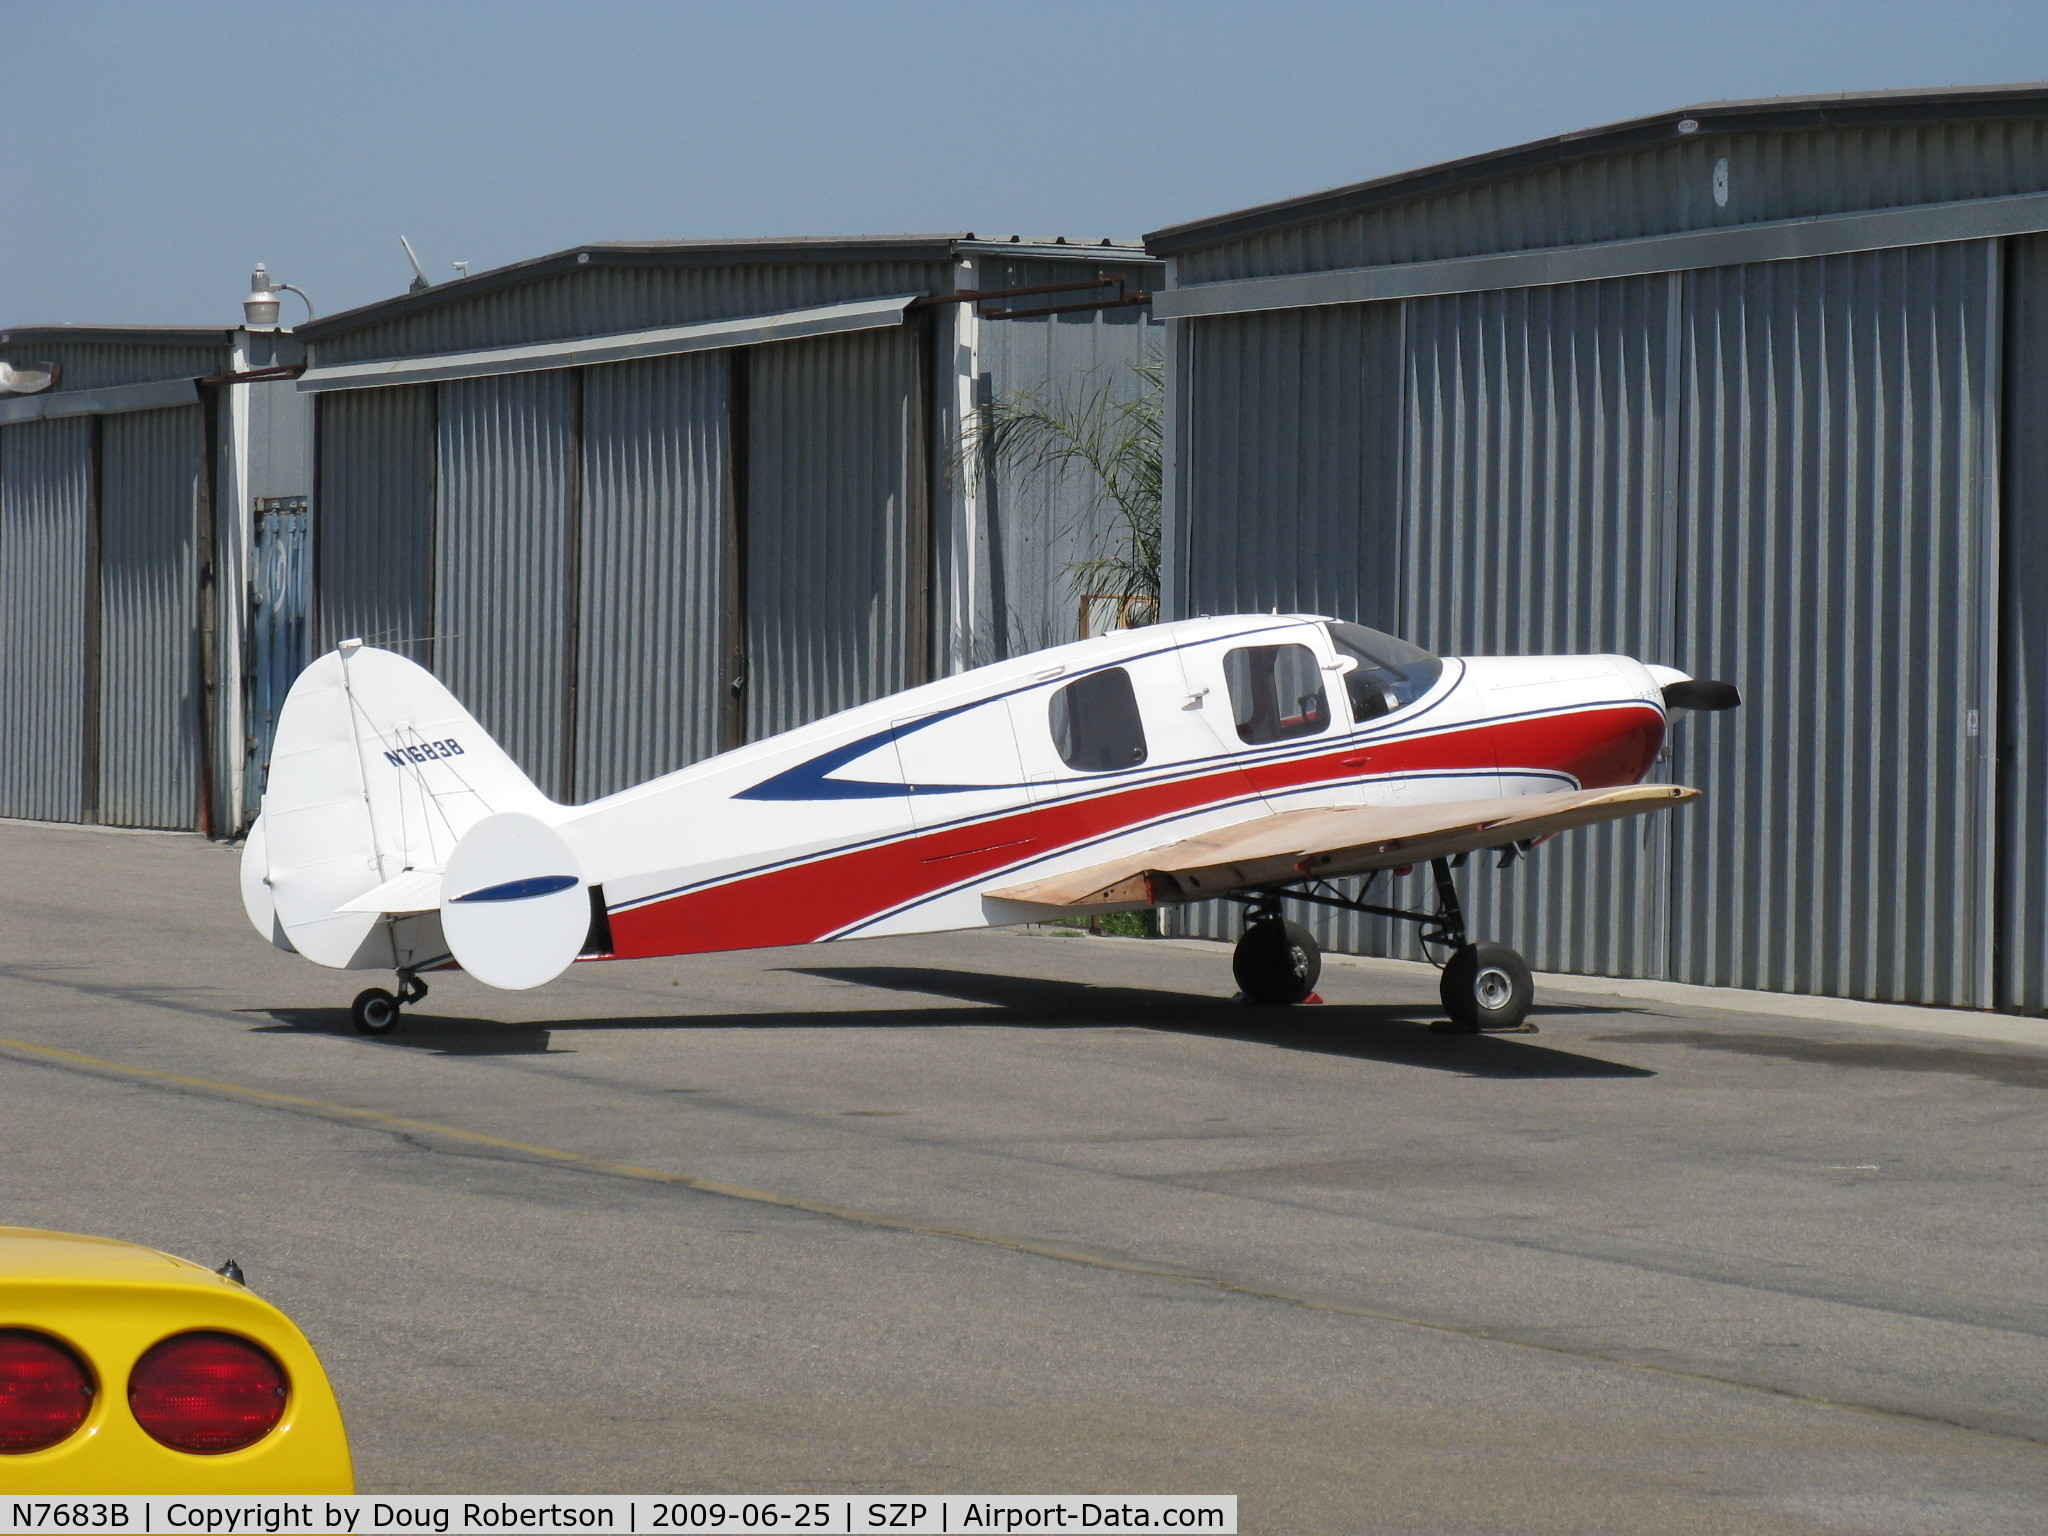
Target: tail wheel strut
column 375, row 1012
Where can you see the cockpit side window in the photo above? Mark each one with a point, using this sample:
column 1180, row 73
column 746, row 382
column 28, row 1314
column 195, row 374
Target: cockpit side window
column 1389, row 674
column 1095, row 723
column 1276, row 692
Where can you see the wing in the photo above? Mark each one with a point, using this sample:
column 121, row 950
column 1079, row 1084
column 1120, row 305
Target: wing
column 1327, row 843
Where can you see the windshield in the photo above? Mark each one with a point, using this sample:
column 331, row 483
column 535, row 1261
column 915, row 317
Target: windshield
column 1390, row 674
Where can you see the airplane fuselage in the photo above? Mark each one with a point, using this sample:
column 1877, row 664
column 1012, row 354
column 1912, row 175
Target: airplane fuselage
column 900, row 816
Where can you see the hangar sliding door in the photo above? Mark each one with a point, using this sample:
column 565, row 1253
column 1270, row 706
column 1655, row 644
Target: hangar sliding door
column 551, row 546
column 651, row 682
column 1838, row 518
column 152, row 483
column 835, row 533
column 2023, row 660
column 1781, row 474
column 504, row 545
column 373, row 519
column 1534, row 523
column 46, row 548
column 1293, row 481
column 1483, row 473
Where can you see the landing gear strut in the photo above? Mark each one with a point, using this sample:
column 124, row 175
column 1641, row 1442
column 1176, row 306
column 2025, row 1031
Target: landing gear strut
column 375, row 1012
column 1484, row 986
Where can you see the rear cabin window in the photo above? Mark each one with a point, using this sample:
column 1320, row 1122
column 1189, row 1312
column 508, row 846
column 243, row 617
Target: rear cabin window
column 1276, row 692
column 1095, row 723
column 1386, row 675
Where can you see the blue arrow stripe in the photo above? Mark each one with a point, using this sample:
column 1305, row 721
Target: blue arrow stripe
column 522, row 890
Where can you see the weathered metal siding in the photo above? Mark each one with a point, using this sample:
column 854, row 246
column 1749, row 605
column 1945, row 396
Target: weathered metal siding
column 1293, row 449
column 151, row 485
column 1534, row 525
column 654, row 508
column 1481, row 474
column 1834, row 512
column 1657, row 190
column 1292, row 499
column 97, row 365
column 835, row 557
column 1036, row 525
column 45, row 529
column 2023, row 659
column 1772, row 474
column 504, row 542
column 601, row 300
column 373, row 520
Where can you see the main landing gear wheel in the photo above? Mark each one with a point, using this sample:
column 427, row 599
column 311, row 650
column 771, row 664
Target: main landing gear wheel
column 375, row 1012
column 1487, row 987
column 1277, row 962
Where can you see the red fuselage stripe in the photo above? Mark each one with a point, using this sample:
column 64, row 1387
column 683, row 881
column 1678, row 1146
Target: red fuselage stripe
column 802, row 903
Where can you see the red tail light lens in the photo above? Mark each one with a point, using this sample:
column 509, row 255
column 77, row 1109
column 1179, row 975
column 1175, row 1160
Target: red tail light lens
column 207, row 1393
column 45, row 1393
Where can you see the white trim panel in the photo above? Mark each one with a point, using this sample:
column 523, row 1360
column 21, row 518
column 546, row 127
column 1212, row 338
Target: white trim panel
column 708, row 335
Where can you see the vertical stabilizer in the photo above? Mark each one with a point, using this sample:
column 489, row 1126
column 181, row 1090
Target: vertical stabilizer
column 376, row 773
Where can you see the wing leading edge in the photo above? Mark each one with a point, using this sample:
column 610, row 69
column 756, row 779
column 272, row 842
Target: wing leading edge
column 1327, row 843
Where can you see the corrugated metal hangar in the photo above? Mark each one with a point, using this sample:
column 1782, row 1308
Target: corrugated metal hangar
column 635, row 503
column 1754, row 389
column 122, row 568
column 1749, row 388
column 639, row 503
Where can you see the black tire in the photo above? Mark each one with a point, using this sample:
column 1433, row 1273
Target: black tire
column 374, row 1012
column 1276, row 962
column 1487, row 986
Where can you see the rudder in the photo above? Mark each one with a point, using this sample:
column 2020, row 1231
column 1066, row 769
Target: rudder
column 376, row 772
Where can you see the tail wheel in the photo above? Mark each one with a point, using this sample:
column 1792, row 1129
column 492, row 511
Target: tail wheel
column 374, row 1012
column 1276, row 962
column 1487, row 986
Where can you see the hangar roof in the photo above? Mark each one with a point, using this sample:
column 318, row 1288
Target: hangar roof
column 118, row 335
column 713, row 253
column 1773, row 114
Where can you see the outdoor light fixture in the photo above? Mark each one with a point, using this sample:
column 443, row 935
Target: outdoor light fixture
column 261, row 305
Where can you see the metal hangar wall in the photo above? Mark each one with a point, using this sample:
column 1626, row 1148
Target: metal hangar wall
column 1752, row 389
column 122, row 570
column 637, row 504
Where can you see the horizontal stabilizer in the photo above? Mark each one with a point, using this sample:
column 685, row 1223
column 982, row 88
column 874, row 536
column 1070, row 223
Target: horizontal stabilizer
column 417, row 890
column 1327, row 843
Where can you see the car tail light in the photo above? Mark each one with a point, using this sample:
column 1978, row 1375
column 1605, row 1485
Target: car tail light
column 45, row 1393
column 207, row 1393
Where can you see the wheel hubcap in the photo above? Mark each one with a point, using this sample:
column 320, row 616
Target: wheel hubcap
column 1493, row 988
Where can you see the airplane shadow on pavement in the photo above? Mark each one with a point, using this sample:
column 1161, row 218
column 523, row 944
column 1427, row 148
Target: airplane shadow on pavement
column 1372, row 1032
column 1390, row 1032
column 419, row 1031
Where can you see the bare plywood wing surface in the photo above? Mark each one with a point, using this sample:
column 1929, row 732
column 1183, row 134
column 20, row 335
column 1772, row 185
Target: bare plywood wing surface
column 1328, row 843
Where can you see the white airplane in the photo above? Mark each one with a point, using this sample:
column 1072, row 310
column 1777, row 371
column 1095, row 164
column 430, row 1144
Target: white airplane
column 1253, row 757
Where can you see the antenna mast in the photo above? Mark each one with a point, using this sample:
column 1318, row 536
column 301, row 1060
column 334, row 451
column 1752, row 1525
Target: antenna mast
column 419, row 276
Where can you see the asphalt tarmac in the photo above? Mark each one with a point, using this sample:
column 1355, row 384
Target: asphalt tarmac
column 1021, row 1213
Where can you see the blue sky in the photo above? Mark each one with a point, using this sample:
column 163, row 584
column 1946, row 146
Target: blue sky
column 155, row 151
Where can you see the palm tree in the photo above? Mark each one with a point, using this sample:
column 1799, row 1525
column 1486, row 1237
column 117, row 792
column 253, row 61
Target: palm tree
column 1112, row 433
